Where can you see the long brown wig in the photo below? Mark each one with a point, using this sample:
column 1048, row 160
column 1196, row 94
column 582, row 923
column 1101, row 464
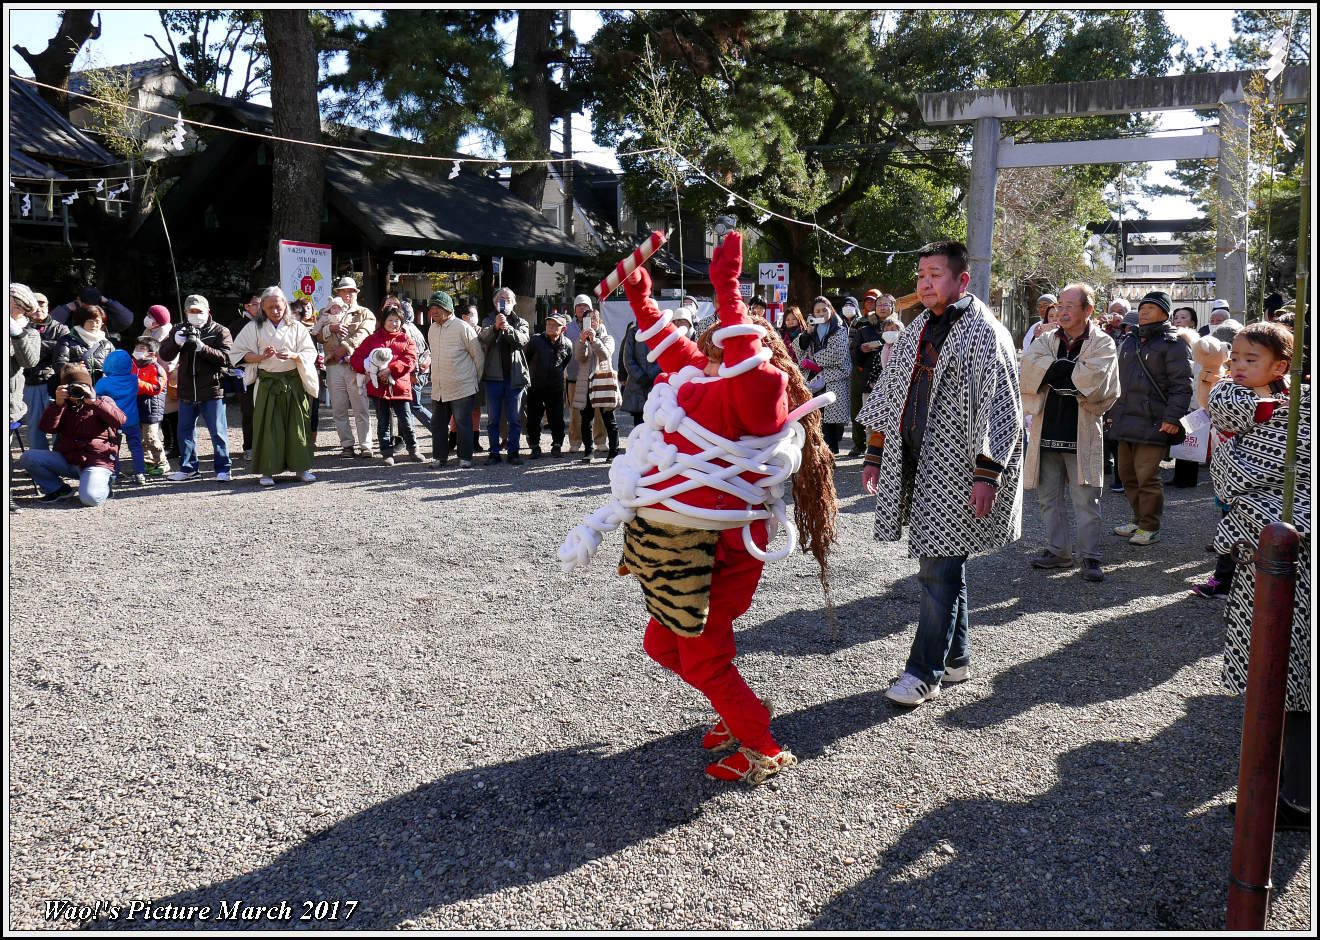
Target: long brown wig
column 815, row 504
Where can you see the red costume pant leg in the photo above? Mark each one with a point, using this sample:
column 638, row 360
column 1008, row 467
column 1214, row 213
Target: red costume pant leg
column 706, row 662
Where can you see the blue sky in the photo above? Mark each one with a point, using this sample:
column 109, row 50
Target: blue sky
column 123, row 40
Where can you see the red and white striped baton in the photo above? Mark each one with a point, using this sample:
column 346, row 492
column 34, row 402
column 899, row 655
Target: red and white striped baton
column 631, row 263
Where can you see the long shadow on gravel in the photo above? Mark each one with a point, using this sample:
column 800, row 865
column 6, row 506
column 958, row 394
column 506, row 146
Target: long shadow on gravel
column 1121, row 842
column 488, row 828
column 1111, row 660
column 860, row 621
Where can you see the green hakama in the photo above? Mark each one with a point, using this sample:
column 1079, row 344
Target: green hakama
column 279, row 424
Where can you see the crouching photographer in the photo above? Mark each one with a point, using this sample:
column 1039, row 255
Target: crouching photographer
column 85, row 428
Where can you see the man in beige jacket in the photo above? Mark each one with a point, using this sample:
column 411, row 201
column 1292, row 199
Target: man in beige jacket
column 1069, row 380
column 342, row 327
column 457, row 358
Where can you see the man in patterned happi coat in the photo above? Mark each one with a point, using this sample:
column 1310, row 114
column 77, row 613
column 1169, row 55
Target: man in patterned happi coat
column 944, row 455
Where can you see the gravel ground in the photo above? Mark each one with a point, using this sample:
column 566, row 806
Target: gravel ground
column 380, row 688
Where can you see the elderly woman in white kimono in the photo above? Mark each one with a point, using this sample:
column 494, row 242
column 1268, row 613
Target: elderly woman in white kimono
column 281, row 352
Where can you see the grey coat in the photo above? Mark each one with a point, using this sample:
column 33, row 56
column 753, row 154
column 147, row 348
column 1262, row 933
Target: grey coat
column 1141, row 409
column 515, row 338
column 24, row 353
column 975, row 409
column 831, row 354
column 593, row 357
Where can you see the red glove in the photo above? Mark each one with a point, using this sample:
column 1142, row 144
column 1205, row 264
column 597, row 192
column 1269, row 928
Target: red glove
column 809, row 365
column 725, row 267
column 637, row 286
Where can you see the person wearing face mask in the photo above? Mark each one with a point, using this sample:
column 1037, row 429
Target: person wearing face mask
column 598, row 384
column 864, row 346
column 36, row 394
column 281, row 348
column 120, row 382
column 201, row 347
column 152, row 381
column 24, row 349
column 824, row 348
column 156, row 326
column 504, row 335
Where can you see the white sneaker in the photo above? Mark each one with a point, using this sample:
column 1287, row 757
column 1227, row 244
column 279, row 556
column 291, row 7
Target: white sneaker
column 178, row 476
column 957, row 673
column 1143, row 537
column 909, row 690
column 465, row 464
column 1126, row 530
column 389, row 461
column 267, row 481
column 307, row 476
column 222, row 477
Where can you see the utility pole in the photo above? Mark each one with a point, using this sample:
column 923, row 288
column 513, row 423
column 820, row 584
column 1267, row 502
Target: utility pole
column 570, row 272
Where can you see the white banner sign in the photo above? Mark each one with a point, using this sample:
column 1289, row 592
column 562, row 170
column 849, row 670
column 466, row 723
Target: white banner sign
column 305, row 272
column 775, row 272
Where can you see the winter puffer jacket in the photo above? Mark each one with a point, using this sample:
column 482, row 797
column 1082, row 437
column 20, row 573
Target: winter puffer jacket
column 401, row 367
column 73, row 348
column 85, row 435
column 120, row 382
column 151, row 404
column 1142, row 407
column 201, row 365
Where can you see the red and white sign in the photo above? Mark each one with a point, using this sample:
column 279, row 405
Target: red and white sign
column 773, row 273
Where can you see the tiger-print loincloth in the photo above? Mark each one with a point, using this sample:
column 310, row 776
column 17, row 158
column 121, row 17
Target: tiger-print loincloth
column 673, row 564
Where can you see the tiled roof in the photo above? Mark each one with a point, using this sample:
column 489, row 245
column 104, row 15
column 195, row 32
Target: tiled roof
column 136, row 71
column 38, row 130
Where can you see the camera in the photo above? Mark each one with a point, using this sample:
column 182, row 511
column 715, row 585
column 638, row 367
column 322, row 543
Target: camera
column 77, row 392
column 190, row 332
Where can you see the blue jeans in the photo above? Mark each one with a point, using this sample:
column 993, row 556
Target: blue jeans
column 398, row 408
column 49, row 469
column 217, row 423
column 36, row 397
column 942, row 630
column 502, row 397
column 133, row 434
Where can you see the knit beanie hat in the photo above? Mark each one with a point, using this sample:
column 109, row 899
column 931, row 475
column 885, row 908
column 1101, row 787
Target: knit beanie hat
column 1160, row 299
column 442, row 300
column 160, row 313
column 22, row 295
column 582, row 299
column 1046, row 299
column 75, row 374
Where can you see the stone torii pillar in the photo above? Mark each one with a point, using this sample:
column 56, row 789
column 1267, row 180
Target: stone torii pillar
column 986, row 109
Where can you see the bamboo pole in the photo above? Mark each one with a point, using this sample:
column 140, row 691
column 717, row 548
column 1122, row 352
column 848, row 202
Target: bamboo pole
column 1299, row 326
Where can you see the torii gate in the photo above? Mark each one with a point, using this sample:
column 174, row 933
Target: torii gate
column 1223, row 90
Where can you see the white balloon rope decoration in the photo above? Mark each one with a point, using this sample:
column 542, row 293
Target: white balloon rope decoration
column 650, row 460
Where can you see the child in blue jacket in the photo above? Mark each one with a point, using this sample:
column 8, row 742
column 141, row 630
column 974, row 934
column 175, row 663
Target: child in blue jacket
column 119, row 380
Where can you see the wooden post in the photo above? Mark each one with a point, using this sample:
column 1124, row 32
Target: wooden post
column 1262, row 728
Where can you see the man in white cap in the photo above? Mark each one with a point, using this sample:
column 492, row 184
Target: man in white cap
column 342, row 327
column 582, row 307
column 1219, row 312
column 1042, row 311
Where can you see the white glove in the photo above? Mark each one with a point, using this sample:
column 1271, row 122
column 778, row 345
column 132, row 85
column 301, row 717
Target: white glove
column 179, row 338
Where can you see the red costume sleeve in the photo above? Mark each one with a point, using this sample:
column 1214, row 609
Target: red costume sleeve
column 756, row 397
column 682, row 351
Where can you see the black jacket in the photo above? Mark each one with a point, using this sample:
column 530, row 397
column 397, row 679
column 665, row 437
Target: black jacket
column 51, row 333
column 862, row 362
column 202, row 364
column 547, row 360
column 1142, row 408
column 73, row 348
